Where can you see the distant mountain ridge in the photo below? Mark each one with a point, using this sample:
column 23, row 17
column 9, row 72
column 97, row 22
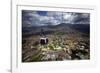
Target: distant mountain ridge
column 61, row 28
column 80, row 27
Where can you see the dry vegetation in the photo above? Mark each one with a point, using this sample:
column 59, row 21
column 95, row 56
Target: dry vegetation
column 64, row 43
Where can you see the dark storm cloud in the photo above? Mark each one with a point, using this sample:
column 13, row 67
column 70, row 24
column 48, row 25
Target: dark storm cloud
column 81, row 18
column 41, row 18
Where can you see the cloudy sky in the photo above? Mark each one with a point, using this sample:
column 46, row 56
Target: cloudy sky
column 42, row 18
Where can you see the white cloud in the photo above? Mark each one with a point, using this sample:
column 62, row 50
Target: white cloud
column 53, row 18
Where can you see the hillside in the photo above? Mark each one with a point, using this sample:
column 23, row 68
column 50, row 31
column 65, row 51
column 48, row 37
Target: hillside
column 66, row 42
